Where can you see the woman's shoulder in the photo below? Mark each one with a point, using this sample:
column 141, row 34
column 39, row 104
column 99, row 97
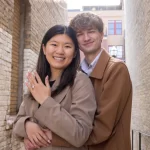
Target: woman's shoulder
column 82, row 79
column 80, row 75
column 27, row 98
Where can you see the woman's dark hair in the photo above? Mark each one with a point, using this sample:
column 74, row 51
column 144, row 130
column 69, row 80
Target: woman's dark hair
column 43, row 67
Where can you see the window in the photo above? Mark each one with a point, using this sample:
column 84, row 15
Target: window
column 118, row 27
column 119, row 52
column 116, row 51
column 105, row 32
column 115, row 27
column 111, row 28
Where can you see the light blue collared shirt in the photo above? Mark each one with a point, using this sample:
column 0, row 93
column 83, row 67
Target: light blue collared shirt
column 89, row 68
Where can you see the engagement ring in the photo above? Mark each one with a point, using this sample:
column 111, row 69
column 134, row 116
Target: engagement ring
column 32, row 86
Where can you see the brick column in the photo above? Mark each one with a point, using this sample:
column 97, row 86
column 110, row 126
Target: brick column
column 138, row 60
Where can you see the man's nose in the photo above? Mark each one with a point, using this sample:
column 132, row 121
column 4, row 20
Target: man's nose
column 86, row 37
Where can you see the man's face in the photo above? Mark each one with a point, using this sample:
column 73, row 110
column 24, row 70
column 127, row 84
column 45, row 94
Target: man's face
column 89, row 40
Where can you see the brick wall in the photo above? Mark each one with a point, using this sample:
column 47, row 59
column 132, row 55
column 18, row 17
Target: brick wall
column 138, row 61
column 15, row 57
column 6, row 14
column 53, row 14
column 21, row 35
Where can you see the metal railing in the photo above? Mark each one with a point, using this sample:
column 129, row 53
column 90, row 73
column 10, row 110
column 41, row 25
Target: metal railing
column 139, row 135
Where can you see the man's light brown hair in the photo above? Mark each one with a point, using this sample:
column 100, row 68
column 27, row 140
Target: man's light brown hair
column 86, row 21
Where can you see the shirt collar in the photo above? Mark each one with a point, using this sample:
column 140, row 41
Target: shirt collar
column 100, row 67
column 85, row 66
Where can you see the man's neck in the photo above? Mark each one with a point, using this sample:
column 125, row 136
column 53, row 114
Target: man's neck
column 90, row 57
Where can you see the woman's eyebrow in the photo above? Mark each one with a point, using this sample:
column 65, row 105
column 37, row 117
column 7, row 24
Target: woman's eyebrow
column 58, row 41
column 52, row 41
column 68, row 43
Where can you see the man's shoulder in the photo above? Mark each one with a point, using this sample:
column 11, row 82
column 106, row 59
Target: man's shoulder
column 115, row 63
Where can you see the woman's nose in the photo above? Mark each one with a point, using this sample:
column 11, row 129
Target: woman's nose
column 60, row 50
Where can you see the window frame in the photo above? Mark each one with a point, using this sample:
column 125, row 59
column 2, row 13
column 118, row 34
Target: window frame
column 117, row 56
column 114, row 29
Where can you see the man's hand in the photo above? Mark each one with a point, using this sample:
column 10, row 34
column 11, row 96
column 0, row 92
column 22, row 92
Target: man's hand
column 28, row 145
column 36, row 135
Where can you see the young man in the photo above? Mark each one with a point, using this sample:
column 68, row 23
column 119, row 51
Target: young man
column 112, row 85
column 113, row 89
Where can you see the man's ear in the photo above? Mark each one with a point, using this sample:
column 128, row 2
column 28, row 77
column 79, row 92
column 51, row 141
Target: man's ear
column 44, row 49
column 102, row 35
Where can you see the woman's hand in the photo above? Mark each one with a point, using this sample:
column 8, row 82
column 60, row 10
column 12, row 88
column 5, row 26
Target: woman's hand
column 36, row 135
column 39, row 91
column 48, row 133
column 28, row 145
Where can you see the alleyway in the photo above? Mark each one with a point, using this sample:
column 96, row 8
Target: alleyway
column 22, row 26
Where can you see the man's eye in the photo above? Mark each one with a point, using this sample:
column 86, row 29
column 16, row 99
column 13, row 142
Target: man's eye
column 91, row 31
column 79, row 34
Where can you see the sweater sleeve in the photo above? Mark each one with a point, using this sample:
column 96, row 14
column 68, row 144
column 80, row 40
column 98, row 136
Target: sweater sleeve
column 75, row 126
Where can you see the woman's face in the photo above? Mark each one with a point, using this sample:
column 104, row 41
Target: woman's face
column 59, row 51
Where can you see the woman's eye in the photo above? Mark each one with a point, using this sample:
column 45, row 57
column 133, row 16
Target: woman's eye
column 68, row 46
column 53, row 44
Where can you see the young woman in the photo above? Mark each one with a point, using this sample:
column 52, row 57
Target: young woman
column 61, row 99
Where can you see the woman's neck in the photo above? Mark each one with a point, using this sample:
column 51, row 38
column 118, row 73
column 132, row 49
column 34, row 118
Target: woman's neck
column 55, row 74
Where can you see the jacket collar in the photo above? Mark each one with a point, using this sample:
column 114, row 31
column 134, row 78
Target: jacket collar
column 56, row 83
column 101, row 65
column 58, row 98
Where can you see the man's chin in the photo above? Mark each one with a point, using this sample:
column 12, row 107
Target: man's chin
column 87, row 50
